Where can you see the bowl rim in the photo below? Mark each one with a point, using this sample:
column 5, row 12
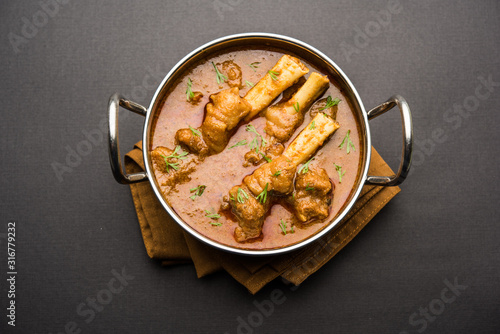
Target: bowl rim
column 255, row 252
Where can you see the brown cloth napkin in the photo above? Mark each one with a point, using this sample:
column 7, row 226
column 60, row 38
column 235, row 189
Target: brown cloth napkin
column 166, row 241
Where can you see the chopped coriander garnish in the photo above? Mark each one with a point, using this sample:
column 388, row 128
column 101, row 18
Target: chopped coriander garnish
column 241, row 195
column 262, row 197
column 305, row 167
column 283, row 226
column 212, row 215
column 249, row 84
column 240, row 143
column 215, row 224
column 313, row 126
column 189, row 92
column 174, row 165
column 296, row 107
column 254, row 144
column 348, row 142
column 330, row 103
column 220, row 77
column 339, row 171
column 265, row 156
column 278, row 173
column 231, row 198
column 254, row 65
column 251, row 128
column 273, row 75
column 291, row 229
column 198, row 191
column 309, row 188
column 195, row 132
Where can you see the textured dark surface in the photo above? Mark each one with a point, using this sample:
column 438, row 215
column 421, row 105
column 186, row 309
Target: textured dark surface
column 72, row 231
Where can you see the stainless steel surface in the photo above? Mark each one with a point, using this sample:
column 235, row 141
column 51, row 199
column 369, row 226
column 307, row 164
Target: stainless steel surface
column 292, row 45
column 115, row 101
column 404, row 166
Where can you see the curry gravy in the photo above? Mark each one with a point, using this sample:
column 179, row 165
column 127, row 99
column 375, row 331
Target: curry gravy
column 220, row 172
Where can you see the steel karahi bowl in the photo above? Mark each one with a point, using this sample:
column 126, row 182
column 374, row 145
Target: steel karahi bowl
column 290, row 45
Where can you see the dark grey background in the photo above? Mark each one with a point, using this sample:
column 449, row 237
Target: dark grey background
column 74, row 230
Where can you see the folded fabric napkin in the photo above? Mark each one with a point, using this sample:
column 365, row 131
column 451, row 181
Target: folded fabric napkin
column 167, row 241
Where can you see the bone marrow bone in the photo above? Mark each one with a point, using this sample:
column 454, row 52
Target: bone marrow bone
column 289, row 69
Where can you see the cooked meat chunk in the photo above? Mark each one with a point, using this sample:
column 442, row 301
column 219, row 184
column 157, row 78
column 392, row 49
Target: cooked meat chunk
column 270, row 151
column 275, row 179
column 277, row 175
column 197, row 96
column 312, row 196
column 192, row 141
column 283, row 119
column 249, row 211
column 175, row 165
column 159, row 157
column 253, row 158
column 318, row 108
column 281, row 124
column 233, row 73
column 223, row 114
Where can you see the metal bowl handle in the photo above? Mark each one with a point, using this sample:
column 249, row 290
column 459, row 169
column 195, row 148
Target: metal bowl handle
column 115, row 101
column 404, row 166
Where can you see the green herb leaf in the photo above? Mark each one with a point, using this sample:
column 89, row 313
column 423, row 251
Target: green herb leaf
column 305, row 167
column 249, row 84
column 265, row 157
column 348, row 143
column 251, row 128
column 240, row 143
column 296, row 107
column 309, row 188
column 198, row 191
column 215, row 224
column 220, row 77
column 241, row 195
column 278, row 173
column 189, row 92
column 195, row 132
column 176, row 155
column 254, row 144
column 313, row 125
column 254, row 65
column 339, row 171
column 274, row 75
column 330, row 103
column 262, row 197
column 212, row 215
column 283, row 226
column 291, row 229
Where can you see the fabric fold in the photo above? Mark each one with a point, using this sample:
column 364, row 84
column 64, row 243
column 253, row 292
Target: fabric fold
column 166, row 241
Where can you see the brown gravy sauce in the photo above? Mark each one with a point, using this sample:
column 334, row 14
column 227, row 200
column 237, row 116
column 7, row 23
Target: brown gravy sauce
column 222, row 171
